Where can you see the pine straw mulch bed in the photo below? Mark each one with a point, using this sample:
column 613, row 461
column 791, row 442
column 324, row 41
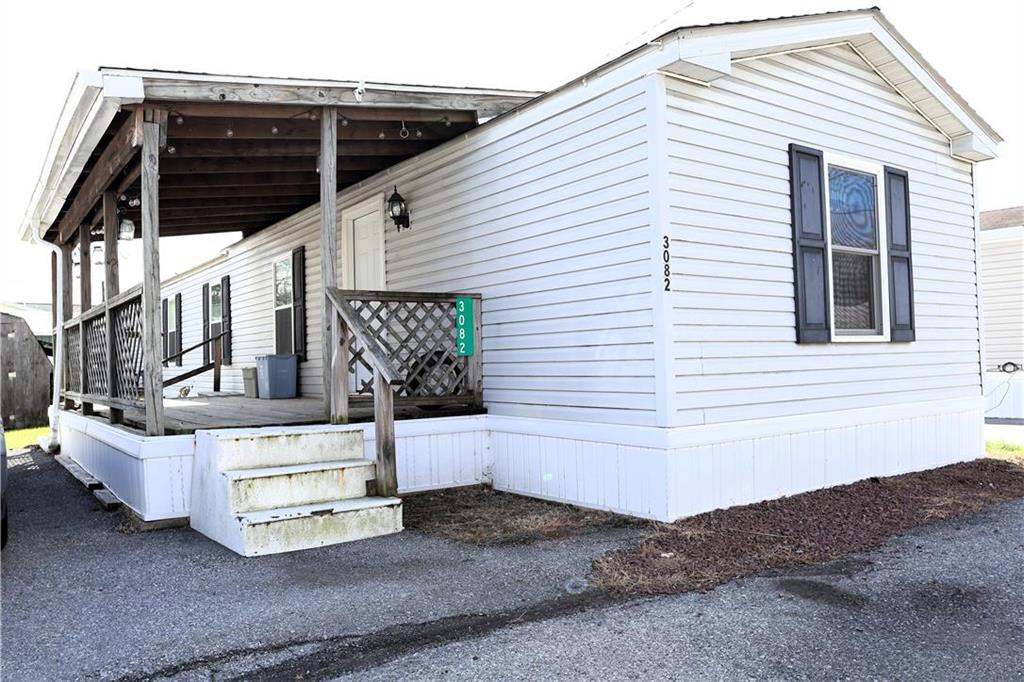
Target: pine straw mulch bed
column 704, row 551
column 480, row 515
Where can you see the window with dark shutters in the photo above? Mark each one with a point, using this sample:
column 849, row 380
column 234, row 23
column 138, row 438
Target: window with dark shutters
column 810, row 258
column 901, row 274
column 163, row 327
column 851, row 249
column 299, row 302
column 206, row 323
column 178, row 329
column 225, row 318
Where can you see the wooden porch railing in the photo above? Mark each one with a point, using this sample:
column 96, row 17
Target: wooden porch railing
column 103, row 355
column 402, row 346
column 216, row 344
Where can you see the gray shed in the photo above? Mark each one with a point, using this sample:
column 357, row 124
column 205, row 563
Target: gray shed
column 25, row 376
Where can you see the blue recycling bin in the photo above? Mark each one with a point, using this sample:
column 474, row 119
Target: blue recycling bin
column 277, row 376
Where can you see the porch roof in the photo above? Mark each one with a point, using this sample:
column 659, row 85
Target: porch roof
column 241, row 151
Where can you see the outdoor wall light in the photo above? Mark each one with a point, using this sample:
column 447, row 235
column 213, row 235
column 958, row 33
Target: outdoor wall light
column 398, row 210
column 126, row 230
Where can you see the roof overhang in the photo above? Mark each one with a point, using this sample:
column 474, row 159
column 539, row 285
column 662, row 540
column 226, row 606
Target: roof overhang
column 705, row 53
column 96, row 97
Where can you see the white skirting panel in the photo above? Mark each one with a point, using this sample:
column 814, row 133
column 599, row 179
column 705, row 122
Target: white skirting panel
column 1004, row 395
column 736, row 472
column 152, row 475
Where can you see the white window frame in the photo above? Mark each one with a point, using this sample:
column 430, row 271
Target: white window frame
column 287, row 256
column 172, row 314
column 877, row 170
column 209, row 303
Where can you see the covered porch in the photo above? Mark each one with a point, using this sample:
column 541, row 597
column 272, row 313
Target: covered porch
column 181, row 154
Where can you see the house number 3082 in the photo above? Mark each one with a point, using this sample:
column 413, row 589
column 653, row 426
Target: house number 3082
column 666, row 257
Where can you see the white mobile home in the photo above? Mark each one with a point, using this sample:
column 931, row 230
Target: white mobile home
column 1002, row 275
column 736, row 263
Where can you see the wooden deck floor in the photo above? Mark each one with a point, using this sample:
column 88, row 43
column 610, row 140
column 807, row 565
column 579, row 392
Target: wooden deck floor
column 186, row 415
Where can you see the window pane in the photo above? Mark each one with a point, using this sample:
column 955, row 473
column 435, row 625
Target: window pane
column 852, row 208
column 854, row 291
column 172, row 315
column 215, row 308
column 283, row 283
column 283, row 331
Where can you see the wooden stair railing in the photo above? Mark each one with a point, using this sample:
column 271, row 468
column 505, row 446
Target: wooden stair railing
column 385, row 377
column 215, row 365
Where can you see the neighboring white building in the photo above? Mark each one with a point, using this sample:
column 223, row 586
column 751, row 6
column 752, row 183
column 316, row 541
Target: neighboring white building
column 1002, row 276
column 735, row 263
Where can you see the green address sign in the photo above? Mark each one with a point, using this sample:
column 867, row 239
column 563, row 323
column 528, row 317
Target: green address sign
column 464, row 341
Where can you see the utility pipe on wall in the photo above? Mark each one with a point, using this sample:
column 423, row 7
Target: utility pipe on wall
column 53, row 444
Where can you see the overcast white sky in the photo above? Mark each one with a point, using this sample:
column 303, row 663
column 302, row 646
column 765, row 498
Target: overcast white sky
column 526, row 44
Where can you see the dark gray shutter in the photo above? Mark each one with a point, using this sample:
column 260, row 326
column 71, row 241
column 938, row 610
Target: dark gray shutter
column 163, row 327
column 901, row 273
column 299, row 302
column 177, row 328
column 206, row 324
column 810, row 260
column 225, row 316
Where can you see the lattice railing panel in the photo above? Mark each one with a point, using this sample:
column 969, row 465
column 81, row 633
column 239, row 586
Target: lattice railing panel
column 126, row 328
column 96, row 355
column 419, row 338
column 73, row 359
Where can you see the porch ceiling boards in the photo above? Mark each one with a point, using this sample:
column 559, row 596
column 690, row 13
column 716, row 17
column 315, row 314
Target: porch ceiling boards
column 245, row 166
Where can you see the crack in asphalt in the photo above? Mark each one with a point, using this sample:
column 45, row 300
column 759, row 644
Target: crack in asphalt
column 343, row 654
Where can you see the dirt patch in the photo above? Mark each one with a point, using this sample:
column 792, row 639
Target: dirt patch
column 704, row 551
column 483, row 516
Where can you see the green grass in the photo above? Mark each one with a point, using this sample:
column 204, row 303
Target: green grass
column 22, row 438
column 1002, row 448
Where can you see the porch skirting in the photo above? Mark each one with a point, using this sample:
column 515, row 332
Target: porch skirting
column 657, row 473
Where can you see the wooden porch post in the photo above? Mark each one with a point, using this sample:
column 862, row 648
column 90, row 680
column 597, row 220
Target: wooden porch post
column 334, row 375
column 67, row 301
column 85, row 295
column 111, row 287
column 111, row 275
column 384, row 435
column 151, row 349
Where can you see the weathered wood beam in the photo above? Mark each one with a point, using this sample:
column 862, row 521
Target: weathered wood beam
column 152, row 352
column 217, row 148
column 332, row 374
column 229, row 202
column 299, row 129
column 170, row 165
column 168, row 214
column 67, row 304
column 115, row 157
column 111, row 264
column 240, row 179
column 214, row 192
column 312, row 113
column 384, row 435
column 170, row 226
column 85, row 269
column 485, row 105
column 53, row 290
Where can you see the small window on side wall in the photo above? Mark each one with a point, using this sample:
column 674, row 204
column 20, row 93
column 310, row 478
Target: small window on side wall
column 283, row 336
column 851, row 249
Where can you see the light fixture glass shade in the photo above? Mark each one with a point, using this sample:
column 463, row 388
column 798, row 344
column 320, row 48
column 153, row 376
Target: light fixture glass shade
column 126, row 230
column 398, row 210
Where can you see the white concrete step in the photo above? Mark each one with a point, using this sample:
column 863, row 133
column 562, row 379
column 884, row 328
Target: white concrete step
column 287, row 529
column 275, row 448
column 297, row 484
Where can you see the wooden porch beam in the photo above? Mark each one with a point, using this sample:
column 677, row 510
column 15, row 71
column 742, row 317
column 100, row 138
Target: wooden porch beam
column 234, row 192
column 303, row 112
column 170, row 165
column 219, row 148
column 152, row 352
column 332, row 374
column 240, row 179
column 299, row 129
column 115, row 157
column 111, row 263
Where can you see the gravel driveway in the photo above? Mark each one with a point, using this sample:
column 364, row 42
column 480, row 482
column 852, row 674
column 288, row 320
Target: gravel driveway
column 83, row 601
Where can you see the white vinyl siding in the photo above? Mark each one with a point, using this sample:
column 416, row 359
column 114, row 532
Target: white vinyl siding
column 546, row 214
column 735, row 353
column 1002, row 277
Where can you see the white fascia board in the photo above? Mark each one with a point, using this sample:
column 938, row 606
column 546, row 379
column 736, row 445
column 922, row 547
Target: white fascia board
column 91, row 104
column 313, row 83
column 973, row 147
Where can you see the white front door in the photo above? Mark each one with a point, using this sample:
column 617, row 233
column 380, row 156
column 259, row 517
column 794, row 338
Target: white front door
column 362, row 262
column 362, row 265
